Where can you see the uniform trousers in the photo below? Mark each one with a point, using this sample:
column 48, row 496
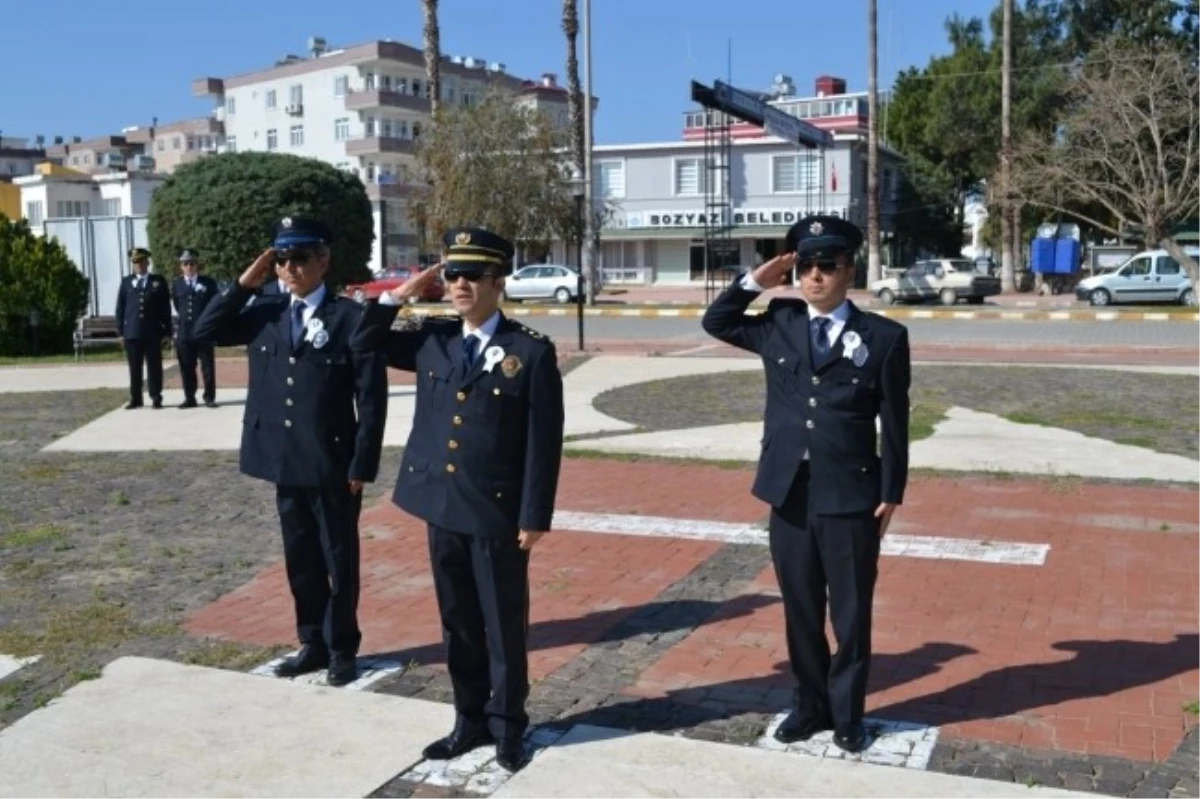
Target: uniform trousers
column 147, row 353
column 189, row 354
column 820, row 560
column 482, row 586
column 320, row 551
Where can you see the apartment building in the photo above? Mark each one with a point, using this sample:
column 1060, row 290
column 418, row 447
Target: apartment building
column 98, row 155
column 167, row 147
column 361, row 108
column 55, row 192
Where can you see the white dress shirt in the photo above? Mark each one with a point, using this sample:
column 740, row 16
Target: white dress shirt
column 310, row 302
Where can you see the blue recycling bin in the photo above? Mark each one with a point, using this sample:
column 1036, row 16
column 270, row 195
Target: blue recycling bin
column 1042, row 256
column 1066, row 256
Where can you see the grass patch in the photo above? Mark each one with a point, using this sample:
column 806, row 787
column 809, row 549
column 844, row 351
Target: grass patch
column 229, row 655
column 1192, row 708
column 31, row 536
column 43, row 471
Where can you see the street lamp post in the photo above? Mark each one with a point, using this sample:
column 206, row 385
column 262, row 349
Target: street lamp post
column 579, row 192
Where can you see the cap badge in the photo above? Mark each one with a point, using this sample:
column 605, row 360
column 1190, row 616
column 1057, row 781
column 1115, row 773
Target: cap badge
column 462, row 239
column 286, row 222
column 815, row 228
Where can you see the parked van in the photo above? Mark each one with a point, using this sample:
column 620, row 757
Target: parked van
column 1150, row 276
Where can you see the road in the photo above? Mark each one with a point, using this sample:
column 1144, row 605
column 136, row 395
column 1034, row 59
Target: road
column 968, row 333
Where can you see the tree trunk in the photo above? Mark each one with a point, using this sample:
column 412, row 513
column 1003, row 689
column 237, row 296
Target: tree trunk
column 1008, row 274
column 874, row 268
column 433, row 55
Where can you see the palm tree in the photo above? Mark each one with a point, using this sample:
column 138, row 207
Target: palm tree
column 874, row 267
column 570, row 24
column 433, row 55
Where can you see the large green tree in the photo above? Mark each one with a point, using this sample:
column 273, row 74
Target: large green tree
column 38, row 282
column 227, row 207
column 499, row 165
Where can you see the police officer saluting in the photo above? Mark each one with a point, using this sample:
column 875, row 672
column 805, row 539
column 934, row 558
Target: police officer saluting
column 191, row 294
column 315, row 414
column 143, row 321
column 481, row 468
column 831, row 370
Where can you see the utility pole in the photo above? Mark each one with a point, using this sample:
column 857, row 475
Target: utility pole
column 874, row 266
column 1008, row 273
column 593, row 272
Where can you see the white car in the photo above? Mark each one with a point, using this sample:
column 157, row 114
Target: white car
column 542, row 281
column 1152, row 276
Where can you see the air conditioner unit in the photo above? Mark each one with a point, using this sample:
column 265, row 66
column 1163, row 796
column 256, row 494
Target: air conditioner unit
column 295, row 109
column 142, row 163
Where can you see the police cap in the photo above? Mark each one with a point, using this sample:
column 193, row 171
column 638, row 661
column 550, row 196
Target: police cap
column 301, row 231
column 822, row 236
column 473, row 250
column 139, row 254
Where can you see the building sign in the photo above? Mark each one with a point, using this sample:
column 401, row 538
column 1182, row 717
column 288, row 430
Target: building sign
column 742, row 217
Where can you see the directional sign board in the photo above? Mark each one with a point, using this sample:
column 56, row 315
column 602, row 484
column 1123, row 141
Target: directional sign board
column 753, row 109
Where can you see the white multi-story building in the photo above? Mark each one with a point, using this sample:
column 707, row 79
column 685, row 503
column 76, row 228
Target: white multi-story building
column 54, row 192
column 656, row 195
column 361, row 108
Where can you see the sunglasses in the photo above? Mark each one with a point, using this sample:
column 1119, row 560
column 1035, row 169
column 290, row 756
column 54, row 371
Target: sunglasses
column 824, row 267
column 294, row 257
column 470, row 275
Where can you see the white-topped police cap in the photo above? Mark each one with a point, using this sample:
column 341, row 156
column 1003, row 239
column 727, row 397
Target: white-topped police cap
column 300, row 231
column 189, row 255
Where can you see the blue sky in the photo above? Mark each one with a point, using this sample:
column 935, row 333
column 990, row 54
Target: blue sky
column 78, row 67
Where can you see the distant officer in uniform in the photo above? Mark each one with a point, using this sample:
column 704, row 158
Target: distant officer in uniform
column 481, row 468
column 143, row 321
column 191, row 294
column 831, row 371
column 315, row 414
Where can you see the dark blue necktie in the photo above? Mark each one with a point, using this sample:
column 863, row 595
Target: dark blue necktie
column 468, row 346
column 297, row 322
column 820, row 338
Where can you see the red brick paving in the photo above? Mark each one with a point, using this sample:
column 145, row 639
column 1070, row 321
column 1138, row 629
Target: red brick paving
column 1096, row 651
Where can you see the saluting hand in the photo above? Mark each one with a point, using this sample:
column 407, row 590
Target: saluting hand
column 414, row 285
column 527, row 538
column 256, row 274
column 770, row 274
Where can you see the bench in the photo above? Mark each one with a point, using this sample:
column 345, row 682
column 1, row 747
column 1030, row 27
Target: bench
column 95, row 331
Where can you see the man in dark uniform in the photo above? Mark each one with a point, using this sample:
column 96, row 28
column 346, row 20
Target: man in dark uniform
column 315, row 414
column 191, row 294
column 143, row 321
column 831, row 371
column 481, row 468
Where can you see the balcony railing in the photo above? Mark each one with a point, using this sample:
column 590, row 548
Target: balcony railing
column 374, row 145
column 363, row 99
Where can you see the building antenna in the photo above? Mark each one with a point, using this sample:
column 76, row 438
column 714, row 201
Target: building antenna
column 729, row 61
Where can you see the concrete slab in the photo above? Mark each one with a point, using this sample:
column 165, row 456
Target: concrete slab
column 22, row 380
column 971, row 440
column 153, row 728
column 592, row 761
column 731, row 442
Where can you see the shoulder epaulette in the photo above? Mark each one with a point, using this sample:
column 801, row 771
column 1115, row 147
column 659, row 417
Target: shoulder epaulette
column 529, row 331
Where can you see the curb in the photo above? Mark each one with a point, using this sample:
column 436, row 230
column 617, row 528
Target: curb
column 891, row 313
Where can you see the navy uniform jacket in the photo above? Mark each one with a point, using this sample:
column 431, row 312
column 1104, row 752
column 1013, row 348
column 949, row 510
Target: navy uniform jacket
column 484, row 454
column 190, row 303
column 829, row 411
column 144, row 313
column 301, row 427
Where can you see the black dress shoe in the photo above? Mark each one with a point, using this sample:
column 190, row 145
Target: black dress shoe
column 157, row 405
column 307, row 660
column 457, row 743
column 851, row 738
column 187, row 404
column 342, row 671
column 132, row 405
column 210, row 404
column 800, row 728
column 510, row 755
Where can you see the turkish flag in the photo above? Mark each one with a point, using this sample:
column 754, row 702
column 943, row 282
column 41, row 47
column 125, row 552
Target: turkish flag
column 833, row 178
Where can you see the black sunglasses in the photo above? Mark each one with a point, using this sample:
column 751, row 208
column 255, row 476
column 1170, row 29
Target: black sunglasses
column 295, row 257
column 823, row 266
column 470, row 275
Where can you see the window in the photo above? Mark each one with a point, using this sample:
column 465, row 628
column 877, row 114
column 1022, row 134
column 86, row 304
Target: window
column 296, row 135
column 610, row 179
column 110, row 207
column 270, row 95
column 385, row 83
column 191, row 142
column 689, row 177
column 416, row 131
column 1168, row 266
column 385, row 128
column 402, row 129
column 370, row 173
column 1138, row 268
column 792, row 174
column 370, row 126
column 272, row 139
column 402, row 85
column 231, row 144
column 176, row 143
column 230, row 105
column 369, row 81
column 35, row 212
column 340, row 85
column 416, row 87
column 70, row 208
column 341, row 129
column 160, row 145
column 296, row 95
